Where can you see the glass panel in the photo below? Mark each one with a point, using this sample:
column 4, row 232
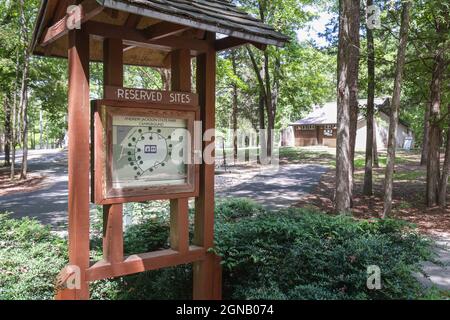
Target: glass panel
column 149, row 151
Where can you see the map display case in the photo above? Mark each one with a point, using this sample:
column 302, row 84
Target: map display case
column 142, row 153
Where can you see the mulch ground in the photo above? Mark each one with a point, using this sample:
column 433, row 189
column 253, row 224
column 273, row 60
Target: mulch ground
column 33, row 182
column 408, row 199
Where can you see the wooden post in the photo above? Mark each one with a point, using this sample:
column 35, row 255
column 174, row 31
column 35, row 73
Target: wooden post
column 79, row 162
column 113, row 214
column 179, row 208
column 207, row 273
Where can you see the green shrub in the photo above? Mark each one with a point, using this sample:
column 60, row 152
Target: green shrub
column 292, row 254
column 30, row 259
column 233, row 209
column 307, row 255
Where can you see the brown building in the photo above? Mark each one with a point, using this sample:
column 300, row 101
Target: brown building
column 320, row 128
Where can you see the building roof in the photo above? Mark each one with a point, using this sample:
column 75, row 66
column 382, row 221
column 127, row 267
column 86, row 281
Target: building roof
column 217, row 16
column 327, row 113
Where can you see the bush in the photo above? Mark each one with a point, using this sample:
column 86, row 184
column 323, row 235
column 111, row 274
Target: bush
column 298, row 254
column 292, row 254
column 30, row 259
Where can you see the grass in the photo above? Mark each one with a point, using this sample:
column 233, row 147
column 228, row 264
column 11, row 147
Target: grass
column 402, row 158
column 304, row 155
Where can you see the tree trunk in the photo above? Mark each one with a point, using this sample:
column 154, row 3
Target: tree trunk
column 14, row 123
column 434, row 140
column 368, row 174
column 166, row 78
column 393, row 124
column 262, row 127
column 426, row 134
column 346, row 92
column 41, row 129
column 8, row 133
column 354, row 50
column 445, row 170
column 265, row 102
column 376, row 159
column 23, row 105
column 271, row 108
column 234, row 114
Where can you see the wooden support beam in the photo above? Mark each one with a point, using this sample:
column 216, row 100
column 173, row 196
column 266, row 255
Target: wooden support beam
column 228, row 43
column 112, row 62
column 144, row 262
column 179, row 225
column 79, row 161
column 206, row 279
column 181, row 80
column 181, row 70
column 113, row 233
column 135, row 37
column 132, row 21
column 163, row 29
column 113, row 214
column 86, row 11
column 231, row 43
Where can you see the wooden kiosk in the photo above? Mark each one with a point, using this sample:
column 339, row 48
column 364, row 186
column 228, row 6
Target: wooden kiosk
column 153, row 33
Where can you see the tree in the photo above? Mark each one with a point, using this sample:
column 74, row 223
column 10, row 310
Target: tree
column 443, row 184
column 234, row 112
column 434, row 185
column 348, row 57
column 395, row 106
column 368, row 179
column 287, row 16
column 23, row 104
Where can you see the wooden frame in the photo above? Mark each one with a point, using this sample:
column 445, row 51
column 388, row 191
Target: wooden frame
column 122, row 26
column 104, row 192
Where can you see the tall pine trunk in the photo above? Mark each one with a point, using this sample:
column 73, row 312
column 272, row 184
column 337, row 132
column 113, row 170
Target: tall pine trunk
column 446, row 169
column 14, row 122
column 434, row 140
column 354, row 76
column 394, row 116
column 376, row 158
column 262, row 127
column 348, row 57
column 23, row 104
column 8, row 133
column 234, row 114
column 270, row 107
column 41, row 129
column 426, row 134
column 368, row 174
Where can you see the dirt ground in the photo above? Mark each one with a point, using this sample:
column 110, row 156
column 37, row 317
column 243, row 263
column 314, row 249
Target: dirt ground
column 34, row 181
column 408, row 196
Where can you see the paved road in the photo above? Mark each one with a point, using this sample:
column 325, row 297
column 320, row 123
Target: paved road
column 277, row 189
column 273, row 188
column 439, row 275
column 48, row 205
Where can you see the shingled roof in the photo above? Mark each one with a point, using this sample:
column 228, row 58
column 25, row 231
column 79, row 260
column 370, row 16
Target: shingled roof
column 219, row 16
column 136, row 19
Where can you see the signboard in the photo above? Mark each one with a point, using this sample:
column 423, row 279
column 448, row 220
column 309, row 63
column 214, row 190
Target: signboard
column 151, row 96
column 143, row 154
column 408, row 144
